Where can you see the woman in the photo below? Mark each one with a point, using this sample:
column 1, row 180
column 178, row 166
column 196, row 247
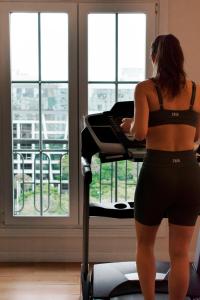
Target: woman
column 167, row 110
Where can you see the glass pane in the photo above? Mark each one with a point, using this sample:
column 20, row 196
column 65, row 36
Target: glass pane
column 54, row 46
column 132, row 47
column 55, row 116
column 40, row 128
column 101, row 47
column 113, row 182
column 24, row 46
column 25, row 185
column 56, row 184
column 36, row 197
column 126, row 92
column 25, row 115
column 101, row 97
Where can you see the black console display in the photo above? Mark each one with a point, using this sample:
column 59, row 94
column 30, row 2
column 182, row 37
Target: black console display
column 107, row 134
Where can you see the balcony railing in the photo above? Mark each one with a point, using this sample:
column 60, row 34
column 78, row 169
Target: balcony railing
column 113, row 182
column 41, row 179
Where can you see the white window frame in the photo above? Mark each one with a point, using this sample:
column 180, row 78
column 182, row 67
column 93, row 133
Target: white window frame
column 150, row 8
column 6, row 193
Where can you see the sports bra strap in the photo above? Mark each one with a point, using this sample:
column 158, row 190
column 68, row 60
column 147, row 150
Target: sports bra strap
column 193, row 95
column 160, row 99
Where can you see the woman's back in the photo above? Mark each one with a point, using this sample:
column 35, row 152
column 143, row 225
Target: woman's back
column 171, row 137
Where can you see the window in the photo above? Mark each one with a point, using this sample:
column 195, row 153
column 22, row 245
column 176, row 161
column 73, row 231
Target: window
column 35, row 39
column 116, row 57
column 117, row 52
column 40, row 152
column 116, row 62
column 42, row 84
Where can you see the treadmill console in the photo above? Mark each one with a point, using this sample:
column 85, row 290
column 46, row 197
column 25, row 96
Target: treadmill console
column 106, row 132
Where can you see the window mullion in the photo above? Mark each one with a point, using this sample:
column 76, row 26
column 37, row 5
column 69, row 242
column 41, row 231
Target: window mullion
column 40, row 116
column 116, row 97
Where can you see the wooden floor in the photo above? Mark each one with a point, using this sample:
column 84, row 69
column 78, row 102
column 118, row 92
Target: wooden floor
column 39, row 281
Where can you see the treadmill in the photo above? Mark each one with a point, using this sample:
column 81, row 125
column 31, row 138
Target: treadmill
column 117, row 280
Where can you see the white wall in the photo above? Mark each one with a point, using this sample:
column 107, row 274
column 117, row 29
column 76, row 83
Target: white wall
column 184, row 22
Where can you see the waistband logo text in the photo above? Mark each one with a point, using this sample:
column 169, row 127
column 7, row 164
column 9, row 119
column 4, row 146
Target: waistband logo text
column 176, row 160
column 175, row 114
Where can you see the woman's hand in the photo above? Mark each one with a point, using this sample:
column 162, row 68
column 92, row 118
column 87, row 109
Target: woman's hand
column 196, row 146
column 126, row 124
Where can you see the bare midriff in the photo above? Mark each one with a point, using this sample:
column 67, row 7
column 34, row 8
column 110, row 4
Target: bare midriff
column 171, row 137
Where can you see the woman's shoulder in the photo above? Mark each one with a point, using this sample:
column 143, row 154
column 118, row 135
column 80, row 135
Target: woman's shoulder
column 189, row 83
column 146, row 87
column 197, row 91
column 145, row 84
column 197, row 85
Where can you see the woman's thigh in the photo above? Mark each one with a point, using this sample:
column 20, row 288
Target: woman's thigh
column 179, row 239
column 145, row 234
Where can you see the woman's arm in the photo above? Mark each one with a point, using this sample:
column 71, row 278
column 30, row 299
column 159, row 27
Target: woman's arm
column 139, row 126
column 197, row 134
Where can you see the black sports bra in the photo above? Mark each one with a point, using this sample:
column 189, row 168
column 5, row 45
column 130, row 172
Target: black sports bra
column 169, row 116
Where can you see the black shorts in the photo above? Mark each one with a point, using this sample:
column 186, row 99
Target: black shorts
column 168, row 186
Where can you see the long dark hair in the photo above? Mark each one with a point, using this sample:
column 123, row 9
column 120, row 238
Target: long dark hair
column 168, row 56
